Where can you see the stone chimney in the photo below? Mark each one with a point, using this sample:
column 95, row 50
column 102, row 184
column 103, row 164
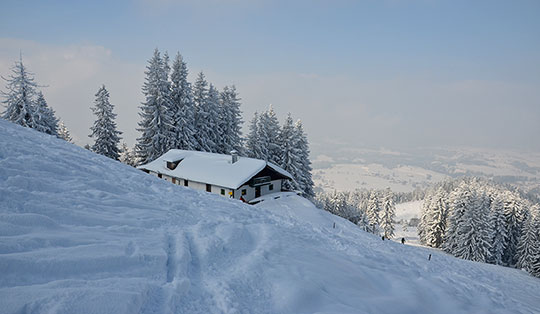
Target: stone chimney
column 234, row 155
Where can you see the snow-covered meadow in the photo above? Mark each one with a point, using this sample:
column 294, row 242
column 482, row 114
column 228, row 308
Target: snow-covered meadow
column 80, row 233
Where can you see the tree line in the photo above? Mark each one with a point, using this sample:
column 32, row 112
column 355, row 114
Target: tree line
column 482, row 221
column 373, row 211
column 174, row 115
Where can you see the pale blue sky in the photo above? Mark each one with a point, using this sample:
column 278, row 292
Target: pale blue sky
column 378, row 73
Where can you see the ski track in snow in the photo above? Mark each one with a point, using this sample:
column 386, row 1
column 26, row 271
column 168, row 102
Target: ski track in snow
column 80, row 233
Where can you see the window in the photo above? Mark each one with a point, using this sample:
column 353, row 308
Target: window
column 271, row 187
column 244, row 192
column 208, row 188
column 222, row 191
column 159, row 175
column 185, row 183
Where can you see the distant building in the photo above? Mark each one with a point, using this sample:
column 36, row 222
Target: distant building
column 228, row 175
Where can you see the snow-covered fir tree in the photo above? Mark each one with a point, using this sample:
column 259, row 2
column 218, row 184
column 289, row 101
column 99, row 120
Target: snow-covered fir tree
column 500, row 234
column 182, row 107
column 230, row 121
column 216, row 134
column 432, row 225
column 204, row 129
column 157, row 121
column 528, row 250
column 19, row 97
column 44, row 118
column 388, row 214
column 127, row 156
column 460, row 200
column 104, row 132
column 290, row 152
column 253, row 147
column 304, row 180
column 473, row 231
column 372, row 212
column 63, row 132
column 513, row 213
column 268, row 135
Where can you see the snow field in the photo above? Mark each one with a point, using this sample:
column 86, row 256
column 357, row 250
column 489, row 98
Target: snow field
column 80, row 233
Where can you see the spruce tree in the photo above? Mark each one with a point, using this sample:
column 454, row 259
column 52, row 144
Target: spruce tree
column 305, row 180
column 213, row 123
column 514, row 223
column 290, row 153
column 460, row 200
column 19, row 97
column 528, row 250
column 45, row 119
column 63, row 132
column 106, row 136
column 157, row 121
column 269, row 135
column 230, row 121
column 437, row 224
column 473, row 232
column 388, row 214
column 127, row 155
column 500, row 236
column 254, row 149
column 373, row 212
column 203, row 129
column 182, row 106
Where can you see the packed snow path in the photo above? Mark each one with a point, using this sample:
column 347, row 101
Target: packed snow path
column 80, row 233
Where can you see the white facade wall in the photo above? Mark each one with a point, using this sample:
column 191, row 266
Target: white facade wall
column 250, row 191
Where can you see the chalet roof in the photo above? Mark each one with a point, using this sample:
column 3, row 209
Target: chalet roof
column 215, row 169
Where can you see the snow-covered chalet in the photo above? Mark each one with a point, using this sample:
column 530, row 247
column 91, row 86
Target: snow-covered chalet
column 228, row 175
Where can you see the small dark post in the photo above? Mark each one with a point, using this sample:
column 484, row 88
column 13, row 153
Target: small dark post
column 402, row 240
column 334, row 225
column 429, row 258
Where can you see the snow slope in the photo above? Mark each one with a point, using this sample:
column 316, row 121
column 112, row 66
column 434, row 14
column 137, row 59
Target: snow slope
column 80, row 233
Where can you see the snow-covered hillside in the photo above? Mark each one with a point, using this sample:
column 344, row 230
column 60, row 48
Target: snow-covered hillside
column 80, row 233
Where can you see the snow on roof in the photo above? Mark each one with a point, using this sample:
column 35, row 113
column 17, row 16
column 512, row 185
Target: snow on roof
column 215, row 169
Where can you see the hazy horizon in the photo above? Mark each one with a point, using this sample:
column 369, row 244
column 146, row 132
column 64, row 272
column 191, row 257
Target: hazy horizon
column 395, row 74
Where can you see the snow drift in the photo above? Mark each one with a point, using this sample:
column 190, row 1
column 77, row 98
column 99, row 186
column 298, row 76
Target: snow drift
column 80, row 233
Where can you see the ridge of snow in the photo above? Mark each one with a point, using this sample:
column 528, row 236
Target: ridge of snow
column 81, row 233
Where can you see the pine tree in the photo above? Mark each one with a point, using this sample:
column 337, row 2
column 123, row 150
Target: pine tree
column 436, row 225
column 388, row 214
column 514, row 223
column 230, row 121
column 45, row 119
column 473, row 232
column 460, row 201
column 216, row 134
column 290, row 153
column 127, row 156
column 203, row 129
column 425, row 220
column 106, row 136
column 157, row 121
column 498, row 223
column 269, row 135
column 19, row 98
column 373, row 212
column 182, row 107
column 304, row 180
column 63, row 132
column 253, row 147
column 528, row 250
